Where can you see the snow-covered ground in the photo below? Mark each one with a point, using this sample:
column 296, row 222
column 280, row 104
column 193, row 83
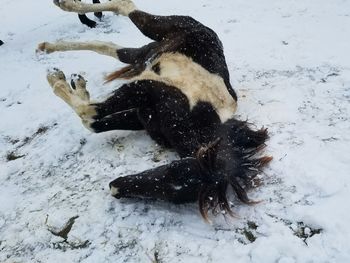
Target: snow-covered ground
column 290, row 64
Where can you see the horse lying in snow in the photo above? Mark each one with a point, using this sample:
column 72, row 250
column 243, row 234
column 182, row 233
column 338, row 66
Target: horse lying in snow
column 178, row 90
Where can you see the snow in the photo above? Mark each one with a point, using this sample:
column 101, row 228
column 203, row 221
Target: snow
column 290, row 64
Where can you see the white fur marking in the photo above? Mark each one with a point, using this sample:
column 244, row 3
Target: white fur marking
column 114, row 191
column 194, row 81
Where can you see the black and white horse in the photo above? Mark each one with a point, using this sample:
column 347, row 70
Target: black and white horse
column 178, row 90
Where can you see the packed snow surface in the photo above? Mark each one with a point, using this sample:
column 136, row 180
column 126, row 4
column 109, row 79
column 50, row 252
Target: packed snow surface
column 289, row 62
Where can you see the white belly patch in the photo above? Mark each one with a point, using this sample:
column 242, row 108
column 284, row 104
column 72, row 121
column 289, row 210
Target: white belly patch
column 194, row 81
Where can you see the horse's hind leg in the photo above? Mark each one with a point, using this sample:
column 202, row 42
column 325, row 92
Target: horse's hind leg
column 125, row 55
column 123, row 7
column 155, row 27
column 87, row 21
column 100, row 47
column 161, row 28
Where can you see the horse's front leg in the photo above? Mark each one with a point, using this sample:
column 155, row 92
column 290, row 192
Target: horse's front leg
column 119, row 111
column 74, row 94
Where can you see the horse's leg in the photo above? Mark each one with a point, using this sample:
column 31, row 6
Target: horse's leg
column 100, row 47
column 118, row 112
column 123, row 7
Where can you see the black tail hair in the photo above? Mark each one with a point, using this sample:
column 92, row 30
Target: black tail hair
column 247, row 145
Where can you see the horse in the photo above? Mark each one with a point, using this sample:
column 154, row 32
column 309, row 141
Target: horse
column 178, row 90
